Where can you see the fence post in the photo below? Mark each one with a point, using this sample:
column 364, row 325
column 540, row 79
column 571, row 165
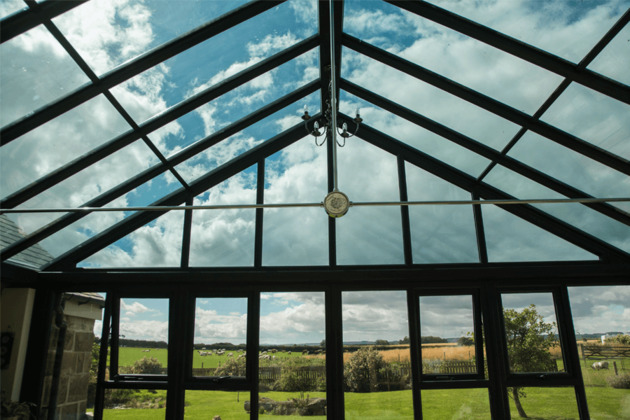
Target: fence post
column 615, row 366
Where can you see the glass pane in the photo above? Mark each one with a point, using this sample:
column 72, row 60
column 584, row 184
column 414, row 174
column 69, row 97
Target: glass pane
column 543, row 403
column 602, row 328
column 292, row 356
column 447, row 335
column 156, row 244
column 134, row 404
column 510, row 238
column 531, row 333
column 35, row 71
column 377, row 371
column 613, row 61
column 213, row 404
column 143, row 336
column 438, row 404
column 220, row 337
column 439, row 234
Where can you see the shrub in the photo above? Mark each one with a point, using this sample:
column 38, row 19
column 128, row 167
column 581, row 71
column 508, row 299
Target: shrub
column 118, row 397
column 147, row 365
column 294, row 377
column 619, row 382
column 361, row 372
column 619, row 339
column 231, row 367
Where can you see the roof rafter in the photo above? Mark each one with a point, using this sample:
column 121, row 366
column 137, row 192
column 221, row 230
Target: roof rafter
column 158, row 121
column 134, row 67
column 212, row 178
column 489, row 104
column 483, row 150
column 485, row 191
column 25, row 20
column 519, row 49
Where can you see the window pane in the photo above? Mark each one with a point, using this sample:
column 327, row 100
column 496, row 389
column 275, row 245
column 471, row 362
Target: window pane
column 446, row 333
column 220, row 337
column 377, row 374
column 543, row 403
column 292, row 358
column 134, row 404
column 143, row 337
column 441, row 404
column 532, row 337
column 208, row 404
column 602, row 328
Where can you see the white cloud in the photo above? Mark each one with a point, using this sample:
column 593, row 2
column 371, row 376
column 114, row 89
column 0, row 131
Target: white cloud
column 211, row 327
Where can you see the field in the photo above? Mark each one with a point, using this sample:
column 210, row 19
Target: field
column 540, row 403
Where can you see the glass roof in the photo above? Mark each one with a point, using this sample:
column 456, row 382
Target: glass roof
column 131, row 104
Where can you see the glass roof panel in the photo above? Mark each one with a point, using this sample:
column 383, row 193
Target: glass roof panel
column 108, row 33
column 90, row 183
column 614, row 60
column 58, row 142
column 8, row 7
column 35, row 71
column 370, row 235
column 436, row 104
column 593, row 117
column 566, row 28
column 156, row 244
column 295, row 236
column 225, row 237
column 415, row 136
column 574, row 169
column 578, row 215
column 439, row 234
column 216, row 59
column 462, row 59
column 510, row 238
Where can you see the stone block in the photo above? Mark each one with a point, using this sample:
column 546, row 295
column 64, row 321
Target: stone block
column 68, row 411
column 77, row 388
column 69, row 361
column 79, row 324
column 84, row 341
column 69, row 341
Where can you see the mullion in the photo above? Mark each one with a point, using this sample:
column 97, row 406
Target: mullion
column 519, row 49
column 415, row 348
column 404, row 211
column 134, row 67
column 485, row 151
column 253, row 344
column 489, row 104
column 99, row 398
column 152, row 172
column 260, row 199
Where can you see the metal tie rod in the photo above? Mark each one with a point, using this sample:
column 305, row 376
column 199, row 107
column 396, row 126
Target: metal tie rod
column 294, row 205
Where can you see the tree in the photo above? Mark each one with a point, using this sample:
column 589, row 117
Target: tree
column 529, row 338
column 465, row 341
column 381, row 342
column 404, row 340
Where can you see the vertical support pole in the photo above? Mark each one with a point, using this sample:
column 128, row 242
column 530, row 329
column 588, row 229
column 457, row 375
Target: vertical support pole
column 404, row 212
column 99, row 398
column 260, row 199
column 253, row 344
column 178, row 353
column 114, row 348
column 37, row 349
column 334, row 354
column 413, row 310
column 479, row 338
column 481, row 236
column 186, row 234
column 332, row 227
column 497, row 353
column 568, row 343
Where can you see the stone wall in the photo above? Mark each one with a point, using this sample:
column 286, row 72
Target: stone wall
column 75, row 367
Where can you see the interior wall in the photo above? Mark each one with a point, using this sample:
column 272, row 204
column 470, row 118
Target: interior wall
column 17, row 308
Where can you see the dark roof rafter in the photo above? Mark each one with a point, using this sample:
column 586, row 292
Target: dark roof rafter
column 202, row 184
column 485, row 191
column 520, row 49
column 489, row 104
column 158, row 121
column 25, row 20
column 134, row 67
